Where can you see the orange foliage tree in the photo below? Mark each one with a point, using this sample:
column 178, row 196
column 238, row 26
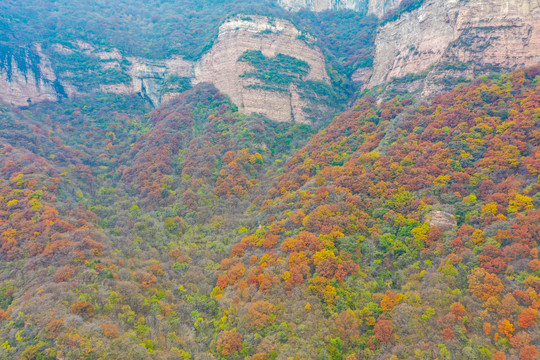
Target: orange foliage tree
column 483, row 284
column 261, row 313
column 229, row 342
column 527, row 318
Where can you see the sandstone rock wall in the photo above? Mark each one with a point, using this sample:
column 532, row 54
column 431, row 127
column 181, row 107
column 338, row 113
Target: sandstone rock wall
column 27, row 77
column 22, row 83
column 221, row 67
column 378, row 8
column 440, row 40
column 147, row 76
column 322, row 5
column 481, row 34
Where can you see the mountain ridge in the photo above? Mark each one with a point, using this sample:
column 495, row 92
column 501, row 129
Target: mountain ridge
column 147, row 77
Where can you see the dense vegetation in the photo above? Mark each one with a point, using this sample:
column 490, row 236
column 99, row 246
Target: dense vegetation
column 282, row 72
column 401, row 230
column 346, row 37
column 405, row 231
column 279, row 71
column 163, row 27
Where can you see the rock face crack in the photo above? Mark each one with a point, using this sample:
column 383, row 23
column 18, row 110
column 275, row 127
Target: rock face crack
column 291, row 104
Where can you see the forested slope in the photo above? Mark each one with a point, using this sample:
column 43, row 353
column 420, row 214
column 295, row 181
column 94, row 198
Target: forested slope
column 401, row 230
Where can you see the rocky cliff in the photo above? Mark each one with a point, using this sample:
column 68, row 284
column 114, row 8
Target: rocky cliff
column 378, row 8
column 26, row 76
column 424, row 50
column 138, row 75
column 445, row 40
column 147, row 77
column 322, row 5
column 221, row 66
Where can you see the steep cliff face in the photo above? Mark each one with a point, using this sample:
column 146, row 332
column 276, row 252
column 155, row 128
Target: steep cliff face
column 322, row 5
column 222, row 66
column 424, row 50
column 140, row 76
column 446, row 39
column 378, row 8
column 27, row 77
column 285, row 96
column 148, row 77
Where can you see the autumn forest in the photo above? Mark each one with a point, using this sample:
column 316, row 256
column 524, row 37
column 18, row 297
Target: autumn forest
column 403, row 227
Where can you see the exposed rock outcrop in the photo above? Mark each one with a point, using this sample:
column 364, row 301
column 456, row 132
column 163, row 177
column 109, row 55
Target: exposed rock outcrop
column 148, row 76
column 322, row 5
column 26, row 76
column 221, row 67
column 442, row 219
column 458, row 39
column 378, row 8
column 31, row 74
column 426, row 50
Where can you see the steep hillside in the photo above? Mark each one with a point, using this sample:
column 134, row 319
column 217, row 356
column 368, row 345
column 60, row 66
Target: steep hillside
column 118, row 223
column 270, row 180
column 198, row 232
column 400, row 231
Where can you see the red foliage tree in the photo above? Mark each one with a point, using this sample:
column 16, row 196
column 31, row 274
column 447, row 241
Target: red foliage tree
column 528, row 352
column 109, row 331
column 348, row 325
column 383, row 330
column 448, row 334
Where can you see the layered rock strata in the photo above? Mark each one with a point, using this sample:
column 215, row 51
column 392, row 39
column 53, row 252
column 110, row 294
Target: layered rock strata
column 457, row 39
column 26, row 77
column 378, row 8
column 221, row 67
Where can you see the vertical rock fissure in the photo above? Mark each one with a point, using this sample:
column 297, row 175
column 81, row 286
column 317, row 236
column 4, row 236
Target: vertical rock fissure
column 291, row 105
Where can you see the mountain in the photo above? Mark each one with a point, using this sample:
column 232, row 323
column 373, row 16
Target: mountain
column 261, row 65
column 459, row 40
column 272, row 180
